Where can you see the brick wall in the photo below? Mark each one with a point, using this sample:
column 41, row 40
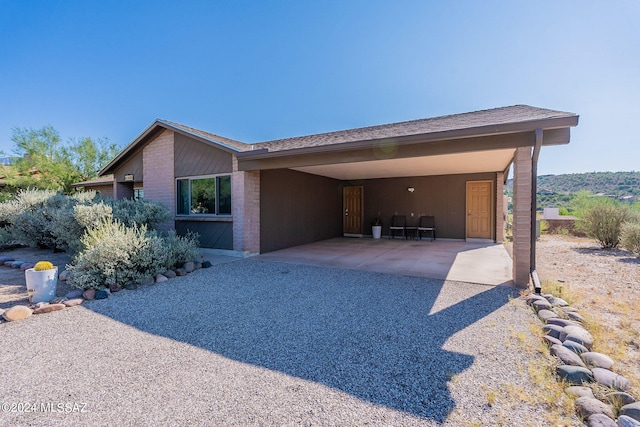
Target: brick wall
column 158, row 173
column 500, row 208
column 245, row 208
column 522, row 216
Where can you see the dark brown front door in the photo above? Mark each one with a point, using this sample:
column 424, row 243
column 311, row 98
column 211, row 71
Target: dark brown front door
column 352, row 205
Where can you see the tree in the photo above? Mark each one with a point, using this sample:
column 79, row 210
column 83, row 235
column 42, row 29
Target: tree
column 45, row 163
column 40, row 163
column 89, row 155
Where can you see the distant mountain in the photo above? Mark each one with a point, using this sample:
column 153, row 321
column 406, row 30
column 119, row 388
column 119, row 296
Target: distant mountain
column 618, row 185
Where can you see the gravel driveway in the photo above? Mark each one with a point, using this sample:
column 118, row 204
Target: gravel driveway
column 255, row 342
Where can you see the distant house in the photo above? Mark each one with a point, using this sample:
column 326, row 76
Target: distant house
column 262, row 197
column 102, row 185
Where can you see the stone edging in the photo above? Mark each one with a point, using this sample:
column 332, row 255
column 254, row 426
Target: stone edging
column 78, row 296
column 571, row 343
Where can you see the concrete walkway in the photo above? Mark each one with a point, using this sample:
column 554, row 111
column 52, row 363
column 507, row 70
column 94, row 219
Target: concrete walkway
column 483, row 263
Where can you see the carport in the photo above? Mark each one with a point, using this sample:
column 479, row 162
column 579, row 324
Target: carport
column 324, row 186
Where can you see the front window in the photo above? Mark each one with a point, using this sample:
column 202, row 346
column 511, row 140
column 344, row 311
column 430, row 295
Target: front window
column 204, row 196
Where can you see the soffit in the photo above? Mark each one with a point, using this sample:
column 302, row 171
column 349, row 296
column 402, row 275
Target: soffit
column 476, row 162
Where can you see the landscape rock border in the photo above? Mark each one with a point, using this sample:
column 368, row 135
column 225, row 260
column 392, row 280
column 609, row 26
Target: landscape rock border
column 571, row 343
column 78, row 296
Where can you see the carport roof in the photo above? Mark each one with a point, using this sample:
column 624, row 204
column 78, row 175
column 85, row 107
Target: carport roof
column 476, row 142
column 492, row 121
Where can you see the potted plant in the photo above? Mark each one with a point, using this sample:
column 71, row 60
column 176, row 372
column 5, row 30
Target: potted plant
column 376, row 228
column 42, row 281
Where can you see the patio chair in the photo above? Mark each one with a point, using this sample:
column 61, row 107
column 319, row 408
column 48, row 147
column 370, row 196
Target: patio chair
column 398, row 222
column 427, row 223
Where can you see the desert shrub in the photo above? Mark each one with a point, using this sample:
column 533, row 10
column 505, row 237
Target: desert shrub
column 180, row 249
column 139, row 212
column 46, row 219
column 604, row 223
column 86, row 197
column 28, row 216
column 71, row 222
column 630, row 239
column 562, row 231
column 114, row 254
column 544, row 227
column 23, row 201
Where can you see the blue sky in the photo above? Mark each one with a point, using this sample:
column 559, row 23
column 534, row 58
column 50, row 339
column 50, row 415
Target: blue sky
column 261, row 70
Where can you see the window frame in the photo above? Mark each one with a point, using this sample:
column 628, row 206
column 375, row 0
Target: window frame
column 217, row 205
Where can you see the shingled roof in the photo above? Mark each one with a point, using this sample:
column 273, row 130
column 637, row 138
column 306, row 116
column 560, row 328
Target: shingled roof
column 211, row 137
column 478, row 119
column 516, row 118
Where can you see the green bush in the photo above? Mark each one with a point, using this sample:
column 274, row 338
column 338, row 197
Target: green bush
column 139, row 212
column 27, row 217
column 604, row 223
column 630, row 239
column 70, row 223
column 114, row 254
column 46, row 219
column 180, row 249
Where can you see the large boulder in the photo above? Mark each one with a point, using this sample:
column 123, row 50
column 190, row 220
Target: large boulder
column 577, row 334
column 610, row 379
column 575, row 347
column 600, row 420
column 89, row 294
column 632, row 411
column 567, row 356
column 76, row 293
column 588, row 406
column 189, row 266
column 48, row 308
column 17, row 312
column 625, row 421
column 576, row 375
column 579, row 391
column 597, row 360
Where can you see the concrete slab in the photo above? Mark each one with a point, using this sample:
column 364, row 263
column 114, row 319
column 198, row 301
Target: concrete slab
column 477, row 262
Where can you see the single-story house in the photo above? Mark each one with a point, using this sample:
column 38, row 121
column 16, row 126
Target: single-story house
column 261, row 197
column 102, row 185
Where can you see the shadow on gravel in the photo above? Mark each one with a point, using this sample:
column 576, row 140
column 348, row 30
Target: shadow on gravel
column 370, row 335
column 624, row 256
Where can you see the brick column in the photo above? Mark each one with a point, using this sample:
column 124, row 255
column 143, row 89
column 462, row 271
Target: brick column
column 500, row 208
column 522, row 216
column 245, row 208
column 158, row 174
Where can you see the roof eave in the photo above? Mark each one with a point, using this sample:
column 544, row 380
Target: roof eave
column 475, row 132
column 200, row 138
column 129, row 148
column 150, row 130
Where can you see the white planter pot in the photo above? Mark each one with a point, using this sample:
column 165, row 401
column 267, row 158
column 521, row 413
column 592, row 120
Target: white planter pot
column 43, row 283
column 376, row 230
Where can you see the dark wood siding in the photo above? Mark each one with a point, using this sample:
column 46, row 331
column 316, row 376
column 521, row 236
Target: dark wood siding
column 298, row 208
column 213, row 234
column 194, row 158
column 132, row 166
column 442, row 196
